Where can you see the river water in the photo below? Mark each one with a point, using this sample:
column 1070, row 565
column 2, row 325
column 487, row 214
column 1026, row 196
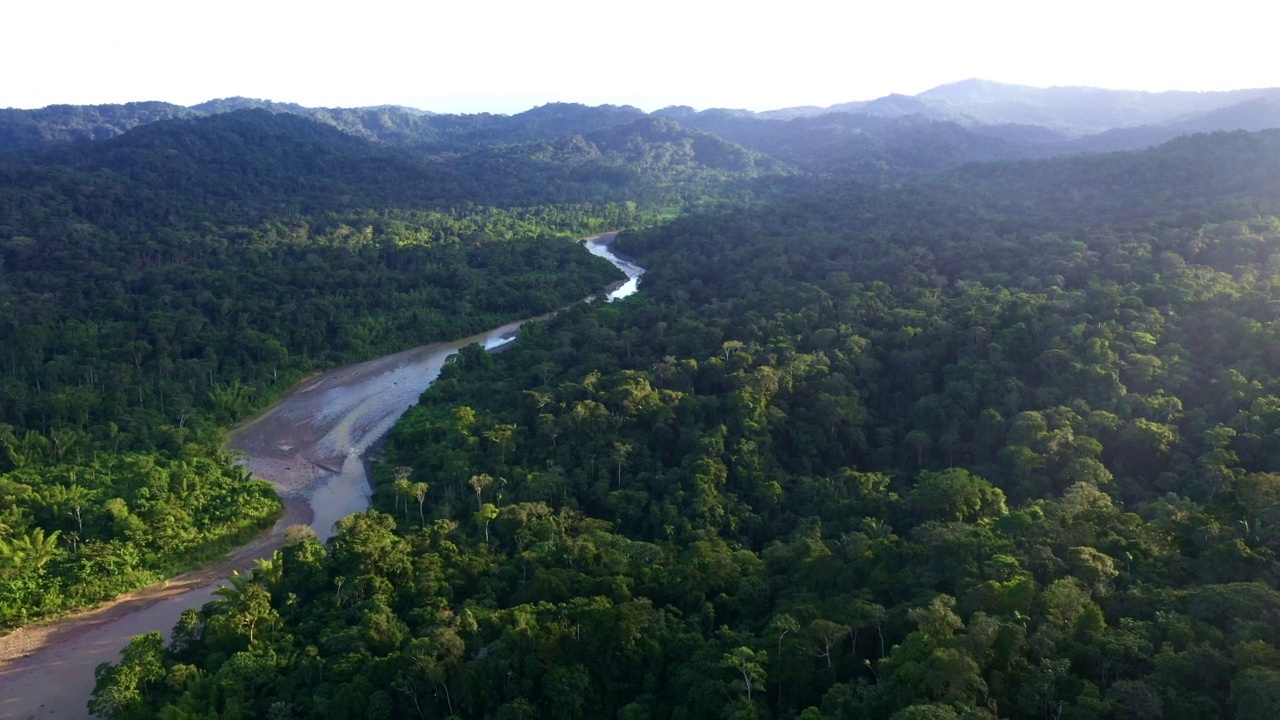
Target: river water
column 603, row 247
column 310, row 445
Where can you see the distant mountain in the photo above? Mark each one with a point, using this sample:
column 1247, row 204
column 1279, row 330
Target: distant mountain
column 859, row 145
column 1203, row 175
column 792, row 112
column 683, row 113
column 233, row 161
column 650, row 160
column 553, row 121
column 1048, row 122
column 651, row 139
column 892, row 106
column 232, row 104
column 1258, row 114
column 24, row 129
column 225, row 105
column 977, row 120
column 71, row 123
column 1079, row 110
column 891, row 137
column 1021, row 135
column 388, row 124
column 565, row 117
column 251, row 163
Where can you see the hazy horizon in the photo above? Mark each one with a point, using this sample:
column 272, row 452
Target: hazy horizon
column 536, row 103
column 506, row 57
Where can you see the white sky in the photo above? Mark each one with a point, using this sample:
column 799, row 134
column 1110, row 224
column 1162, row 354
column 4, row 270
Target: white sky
column 507, row 56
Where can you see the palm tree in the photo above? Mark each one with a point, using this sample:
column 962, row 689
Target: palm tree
column 70, row 500
column 246, row 603
column 479, row 483
column 32, row 550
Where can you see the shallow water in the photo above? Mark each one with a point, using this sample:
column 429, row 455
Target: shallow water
column 604, row 248
column 365, row 409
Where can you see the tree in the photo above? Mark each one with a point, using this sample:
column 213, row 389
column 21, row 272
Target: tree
column 479, row 483
column 937, row 621
column 485, row 515
column 952, row 675
column 749, row 663
column 366, row 544
column 245, row 604
column 402, row 489
column 781, row 625
column 825, row 636
column 1255, row 693
column 502, row 437
column 1094, row 568
column 620, row 452
column 919, row 441
column 420, row 494
column 955, row 495
column 121, row 688
column 31, row 551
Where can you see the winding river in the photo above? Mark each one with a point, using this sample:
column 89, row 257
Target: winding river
column 310, row 445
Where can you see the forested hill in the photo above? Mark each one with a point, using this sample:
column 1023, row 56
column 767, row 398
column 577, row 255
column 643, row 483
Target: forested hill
column 257, row 162
column 998, row 444
column 271, row 162
column 71, row 123
column 390, row 125
column 863, row 146
column 1202, row 176
column 1198, row 179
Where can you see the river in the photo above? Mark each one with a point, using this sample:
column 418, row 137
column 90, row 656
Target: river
column 310, row 444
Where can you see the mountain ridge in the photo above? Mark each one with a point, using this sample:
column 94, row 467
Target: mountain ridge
column 945, row 126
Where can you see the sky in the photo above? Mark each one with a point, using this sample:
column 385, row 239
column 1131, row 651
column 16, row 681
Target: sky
column 507, row 56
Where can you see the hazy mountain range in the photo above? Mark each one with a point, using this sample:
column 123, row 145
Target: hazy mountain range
column 947, row 126
column 1076, row 110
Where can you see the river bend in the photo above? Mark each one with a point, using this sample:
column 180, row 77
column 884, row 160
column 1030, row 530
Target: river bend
column 310, row 445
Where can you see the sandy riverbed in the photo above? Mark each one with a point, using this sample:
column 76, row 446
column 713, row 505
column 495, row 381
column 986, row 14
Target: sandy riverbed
column 309, row 446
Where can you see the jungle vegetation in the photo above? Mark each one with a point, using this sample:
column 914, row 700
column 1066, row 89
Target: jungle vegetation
column 997, row 442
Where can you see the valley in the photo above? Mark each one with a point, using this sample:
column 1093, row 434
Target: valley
column 931, row 407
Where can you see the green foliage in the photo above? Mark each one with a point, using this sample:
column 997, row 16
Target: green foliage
column 121, row 688
column 997, row 444
column 78, row 534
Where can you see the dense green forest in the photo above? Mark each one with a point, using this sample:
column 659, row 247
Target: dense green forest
column 1003, row 442
column 158, row 286
column 886, row 434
